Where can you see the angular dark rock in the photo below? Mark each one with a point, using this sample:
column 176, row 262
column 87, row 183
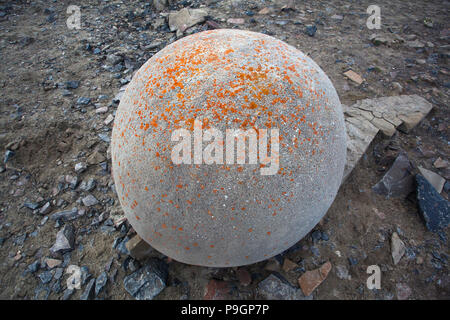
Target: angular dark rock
column 316, row 235
column 31, row 205
column 66, row 215
column 121, row 246
column 46, row 208
column 83, row 101
column 8, row 155
column 147, row 282
column 88, row 185
column 72, row 84
column 85, row 275
column 398, row 181
column 311, row 30
column 434, row 208
column 56, row 287
column 100, row 282
column 46, row 276
column 34, row 266
column 89, row 200
column 88, row 293
column 65, row 240
column 58, row 273
column 67, row 294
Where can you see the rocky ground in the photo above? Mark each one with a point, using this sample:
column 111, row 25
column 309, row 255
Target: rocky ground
column 59, row 92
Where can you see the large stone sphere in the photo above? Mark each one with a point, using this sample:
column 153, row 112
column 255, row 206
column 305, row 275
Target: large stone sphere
column 183, row 185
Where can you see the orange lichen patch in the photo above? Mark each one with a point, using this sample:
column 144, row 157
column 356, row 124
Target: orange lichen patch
column 133, row 204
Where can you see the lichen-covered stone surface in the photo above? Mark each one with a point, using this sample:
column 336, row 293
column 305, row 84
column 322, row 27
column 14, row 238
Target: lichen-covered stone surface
column 224, row 214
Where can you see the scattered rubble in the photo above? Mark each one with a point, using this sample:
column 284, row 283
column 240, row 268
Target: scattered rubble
column 274, row 287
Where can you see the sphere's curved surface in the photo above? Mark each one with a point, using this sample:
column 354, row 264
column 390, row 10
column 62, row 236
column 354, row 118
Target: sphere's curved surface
column 227, row 214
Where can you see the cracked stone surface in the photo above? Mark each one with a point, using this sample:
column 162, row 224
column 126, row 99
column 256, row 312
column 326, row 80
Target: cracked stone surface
column 367, row 117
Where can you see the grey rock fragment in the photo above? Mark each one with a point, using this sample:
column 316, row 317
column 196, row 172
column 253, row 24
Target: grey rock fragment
column 46, row 208
column 88, row 185
column 434, row 209
column 88, row 293
column 66, row 215
column 67, row 294
column 100, row 282
column 89, row 201
column 398, row 181
column 83, row 101
column 398, row 248
column 80, row 167
column 65, row 240
column 46, row 277
column 147, row 282
column 342, row 272
column 185, row 18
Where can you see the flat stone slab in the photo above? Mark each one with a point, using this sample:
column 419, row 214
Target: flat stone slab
column 367, row 117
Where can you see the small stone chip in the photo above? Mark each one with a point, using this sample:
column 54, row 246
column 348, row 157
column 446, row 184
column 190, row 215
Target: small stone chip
column 352, row 75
